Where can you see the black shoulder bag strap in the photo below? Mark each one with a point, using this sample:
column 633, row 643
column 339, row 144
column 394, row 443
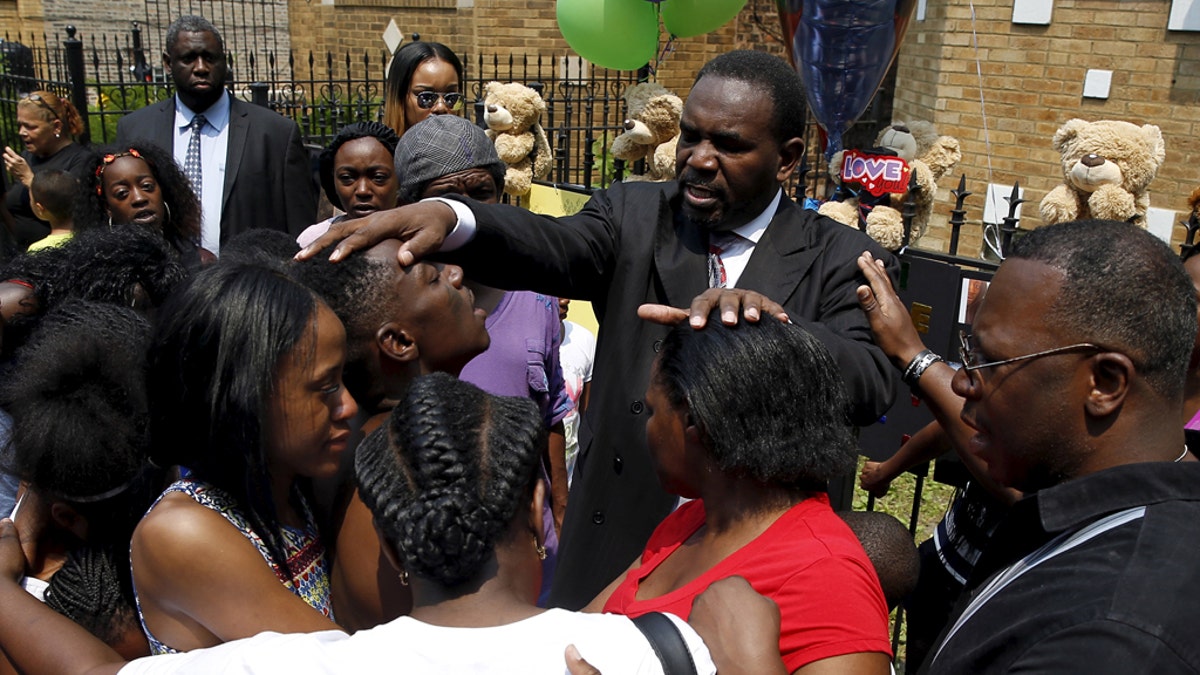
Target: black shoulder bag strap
column 668, row 644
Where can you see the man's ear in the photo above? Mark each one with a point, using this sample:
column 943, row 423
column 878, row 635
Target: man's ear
column 790, row 154
column 166, row 59
column 1111, row 376
column 397, row 343
column 38, row 210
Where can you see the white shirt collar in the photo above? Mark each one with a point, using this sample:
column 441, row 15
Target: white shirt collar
column 754, row 229
column 217, row 114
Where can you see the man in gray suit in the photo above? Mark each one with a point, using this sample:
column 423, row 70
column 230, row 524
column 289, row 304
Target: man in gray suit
column 246, row 163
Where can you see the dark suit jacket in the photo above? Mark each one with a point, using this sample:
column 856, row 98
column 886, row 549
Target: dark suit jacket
column 268, row 182
column 627, row 248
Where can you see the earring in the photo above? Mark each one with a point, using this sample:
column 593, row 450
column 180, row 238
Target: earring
column 110, row 221
column 541, row 550
column 403, row 577
column 57, row 134
column 168, row 209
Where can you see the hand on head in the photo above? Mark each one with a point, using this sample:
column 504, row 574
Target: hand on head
column 730, row 300
column 421, row 229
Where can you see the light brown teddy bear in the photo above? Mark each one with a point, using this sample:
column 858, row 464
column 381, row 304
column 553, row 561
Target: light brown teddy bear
column 651, row 131
column 928, row 155
column 1108, row 166
column 513, row 114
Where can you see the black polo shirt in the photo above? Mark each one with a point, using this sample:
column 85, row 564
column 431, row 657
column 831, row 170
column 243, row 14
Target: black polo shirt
column 1125, row 601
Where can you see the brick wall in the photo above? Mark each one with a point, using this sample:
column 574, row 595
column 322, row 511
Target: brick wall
column 1032, row 82
column 503, row 27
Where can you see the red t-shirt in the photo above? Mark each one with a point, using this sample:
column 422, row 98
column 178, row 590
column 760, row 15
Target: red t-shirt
column 808, row 561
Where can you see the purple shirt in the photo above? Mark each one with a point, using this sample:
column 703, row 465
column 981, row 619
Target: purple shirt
column 523, row 357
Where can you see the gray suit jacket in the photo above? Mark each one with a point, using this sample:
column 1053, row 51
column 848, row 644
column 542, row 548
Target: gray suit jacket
column 268, row 177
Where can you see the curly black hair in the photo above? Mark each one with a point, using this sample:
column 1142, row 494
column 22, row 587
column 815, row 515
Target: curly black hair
column 357, row 291
column 448, row 473
column 771, row 74
column 350, row 132
column 766, row 397
column 80, row 415
column 125, row 265
column 182, row 224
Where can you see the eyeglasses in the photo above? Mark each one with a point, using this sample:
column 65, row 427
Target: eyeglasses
column 428, row 99
column 109, row 159
column 37, row 98
column 966, row 353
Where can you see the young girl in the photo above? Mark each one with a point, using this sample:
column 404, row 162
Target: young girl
column 246, row 383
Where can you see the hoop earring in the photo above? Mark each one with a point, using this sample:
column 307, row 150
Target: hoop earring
column 168, row 209
column 403, row 577
column 110, row 221
column 541, row 550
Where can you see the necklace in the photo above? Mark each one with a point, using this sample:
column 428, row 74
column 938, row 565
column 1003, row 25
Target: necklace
column 1181, row 455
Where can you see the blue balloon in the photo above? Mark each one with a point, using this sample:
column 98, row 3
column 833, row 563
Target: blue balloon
column 843, row 49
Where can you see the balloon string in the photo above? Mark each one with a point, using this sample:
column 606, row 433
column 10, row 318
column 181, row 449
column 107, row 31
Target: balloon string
column 987, row 140
column 662, row 55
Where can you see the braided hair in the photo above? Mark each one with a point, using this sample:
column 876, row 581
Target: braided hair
column 93, row 589
column 448, row 473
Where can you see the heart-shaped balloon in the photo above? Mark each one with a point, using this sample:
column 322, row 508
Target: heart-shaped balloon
column 842, row 49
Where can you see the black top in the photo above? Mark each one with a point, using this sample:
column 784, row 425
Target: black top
column 28, row 228
column 1126, row 601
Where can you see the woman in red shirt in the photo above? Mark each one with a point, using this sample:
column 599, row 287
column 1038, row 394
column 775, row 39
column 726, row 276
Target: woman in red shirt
column 749, row 422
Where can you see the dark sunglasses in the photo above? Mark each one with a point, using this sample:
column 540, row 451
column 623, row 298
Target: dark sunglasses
column 428, row 99
column 37, row 98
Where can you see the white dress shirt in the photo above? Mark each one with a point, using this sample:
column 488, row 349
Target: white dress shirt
column 214, row 148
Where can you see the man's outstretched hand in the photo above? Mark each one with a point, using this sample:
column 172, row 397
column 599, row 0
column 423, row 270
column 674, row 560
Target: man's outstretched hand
column 731, row 301
column 421, row 229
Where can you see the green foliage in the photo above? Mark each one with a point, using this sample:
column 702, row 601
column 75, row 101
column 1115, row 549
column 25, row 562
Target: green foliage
column 604, row 171
column 108, row 104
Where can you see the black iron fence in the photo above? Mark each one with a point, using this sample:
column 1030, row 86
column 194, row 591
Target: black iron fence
column 111, row 76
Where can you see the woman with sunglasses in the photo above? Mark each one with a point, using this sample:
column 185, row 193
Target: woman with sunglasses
column 47, row 125
column 425, row 79
column 141, row 185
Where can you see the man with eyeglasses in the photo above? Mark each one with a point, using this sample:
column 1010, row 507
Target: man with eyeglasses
column 1072, row 391
column 246, row 163
column 725, row 225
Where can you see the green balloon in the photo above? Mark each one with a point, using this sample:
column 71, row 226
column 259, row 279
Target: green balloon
column 616, row 34
column 689, row 18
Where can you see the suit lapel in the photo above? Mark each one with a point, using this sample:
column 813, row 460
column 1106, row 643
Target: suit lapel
column 680, row 255
column 164, row 128
column 238, row 127
column 783, row 256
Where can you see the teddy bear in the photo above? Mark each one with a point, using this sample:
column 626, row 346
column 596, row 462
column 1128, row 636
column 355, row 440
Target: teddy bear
column 651, row 131
column 513, row 114
column 929, row 156
column 1107, row 166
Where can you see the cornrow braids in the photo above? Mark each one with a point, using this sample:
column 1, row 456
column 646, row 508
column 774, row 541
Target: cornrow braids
column 446, row 476
column 90, row 590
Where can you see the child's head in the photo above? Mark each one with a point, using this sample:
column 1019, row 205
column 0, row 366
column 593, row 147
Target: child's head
column 53, row 195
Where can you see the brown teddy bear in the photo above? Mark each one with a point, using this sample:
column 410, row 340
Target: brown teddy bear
column 929, row 155
column 651, row 131
column 1107, row 166
column 513, row 114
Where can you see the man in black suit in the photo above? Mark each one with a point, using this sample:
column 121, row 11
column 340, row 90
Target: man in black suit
column 246, row 163
column 637, row 243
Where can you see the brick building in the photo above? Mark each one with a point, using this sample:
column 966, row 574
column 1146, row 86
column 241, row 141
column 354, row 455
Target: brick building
column 1032, row 73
